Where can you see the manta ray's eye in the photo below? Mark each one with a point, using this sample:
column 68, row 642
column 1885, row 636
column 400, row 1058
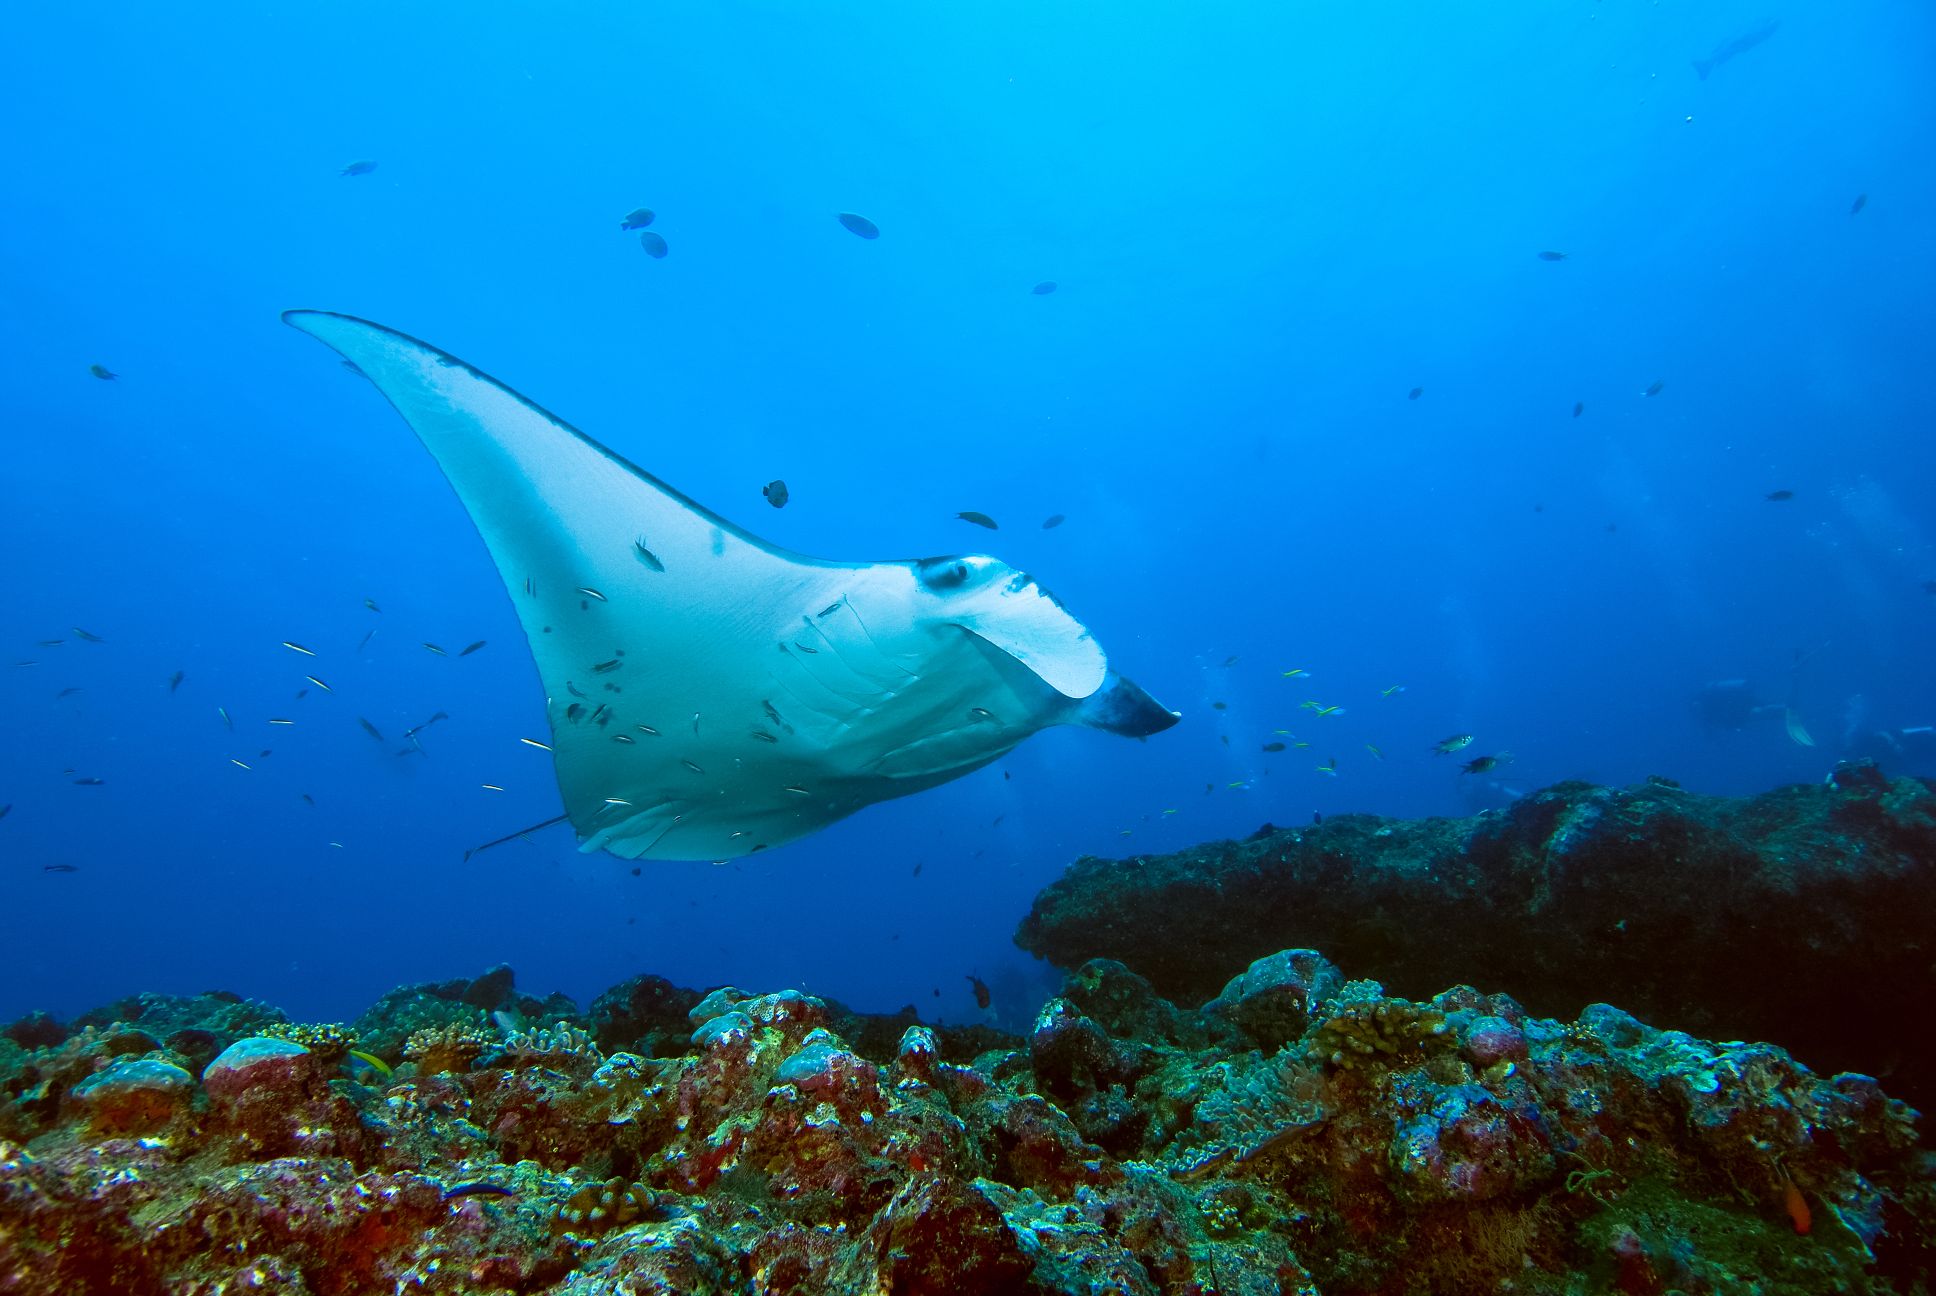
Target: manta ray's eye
column 942, row 573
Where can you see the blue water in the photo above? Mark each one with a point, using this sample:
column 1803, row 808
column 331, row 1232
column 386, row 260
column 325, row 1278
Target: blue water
column 1268, row 223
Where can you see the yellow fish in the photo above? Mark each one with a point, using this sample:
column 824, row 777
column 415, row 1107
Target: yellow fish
column 1296, row 671
column 1374, row 751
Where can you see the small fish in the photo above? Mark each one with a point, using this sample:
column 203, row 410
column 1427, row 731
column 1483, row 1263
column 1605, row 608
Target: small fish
column 1273, row 746
column 533, row 742
column 983, row 714
column 1375, row 753
column 370, row 729
column 434, row 648
column 1220, row 706
column 980, row 987
column 89, row 781
column 239, row 764
column 1052, row 521
column 1779, row 496
column 979, row 519
column 859, row 225
column 1655, row 387
column 102, row 372
column 6, row 810
column 375, row 1063
column 491, row 787
column 319, row 684
column 1446, row 746
column 602, row 668
column 296, row 647
column 60, row 868
column 480, row 1189
column 648, row 730
column 1741, row 44
column 52, row 643
column 1579, row 408
column 775, row 492
column 691, row 765
column 654, row 244
column 223, row 712
column 371, row 604
column 70, row 691
column 589, row 592
column 1414, row 393
column 637, row 218
column 1329, row 767
column 1552, row 256
column 1295, row 672
column 1480, row 765
column 361, row 167
column 1318, row 708
column 91, row 638
column 1230, row 661
column 1861, row 201
column 175, row 681
column 1169, row 812
column 1044, row 288
column 472, row 648
column 761, row 735
column 646, row 556
column 364, row 642
column 278, row 721
column 796, row 789
column 308, row 800
column 1392, row 691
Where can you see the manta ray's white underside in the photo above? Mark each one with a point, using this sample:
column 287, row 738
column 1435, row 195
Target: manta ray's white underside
column 709, row 694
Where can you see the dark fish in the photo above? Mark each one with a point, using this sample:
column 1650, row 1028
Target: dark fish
column 52, row 643
column 1044, row 288
column 358, row 168
column 1779, row 496
column 1655, row 388
column 369, row 728
column 637, row 218
column 775, row 492
column 1552, row 256
column 1221, row 706
column 102, row 372
column 1861, row 201
column 860, row 225
column 69, row 691
column 224, row 713
column 308, row 799
column 1741, row 44
column 434, row 648
column 654, row 245
column 1457, row 742
column 364, row 642
column 982, row 997
column 979, row 519
column 1479, row 765
column 89, row 782
column 91, row 638
column 472, row 648
column 1414, row 393
column 371, row 604
column 6, row 810
column 59, row 868
column 599, row 668
column 1230, row 661
column 1273, row 746
column 646, row 556
column 175, row 681
column 1052, row 521
column 1579, row 408
column 485, row 1188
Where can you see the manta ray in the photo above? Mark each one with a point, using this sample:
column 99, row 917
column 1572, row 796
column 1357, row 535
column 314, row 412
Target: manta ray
column 709, row 694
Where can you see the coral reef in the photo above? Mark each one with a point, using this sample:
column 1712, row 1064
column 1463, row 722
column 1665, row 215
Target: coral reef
column 1300, row 1133
column 1770, row 917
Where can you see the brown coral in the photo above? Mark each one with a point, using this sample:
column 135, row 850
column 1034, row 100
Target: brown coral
column 331, row 1042
column 1377, row 1033
column 454, row 1047
column 595, row 1208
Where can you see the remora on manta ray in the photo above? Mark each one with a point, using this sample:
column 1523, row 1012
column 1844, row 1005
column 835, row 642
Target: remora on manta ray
column 711, row 695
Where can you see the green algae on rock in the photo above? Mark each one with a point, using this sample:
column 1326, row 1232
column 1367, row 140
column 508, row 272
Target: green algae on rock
column 1462, row 1146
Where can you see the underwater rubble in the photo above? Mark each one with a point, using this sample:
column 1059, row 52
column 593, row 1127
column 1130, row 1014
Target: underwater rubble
column 1298, row 1133
column 1805, row 915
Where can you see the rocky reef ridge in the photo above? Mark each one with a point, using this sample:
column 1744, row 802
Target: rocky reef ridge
column 1805, row 915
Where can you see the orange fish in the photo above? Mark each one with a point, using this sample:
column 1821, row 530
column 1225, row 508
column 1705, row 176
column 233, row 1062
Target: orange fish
column 1796, row 1205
